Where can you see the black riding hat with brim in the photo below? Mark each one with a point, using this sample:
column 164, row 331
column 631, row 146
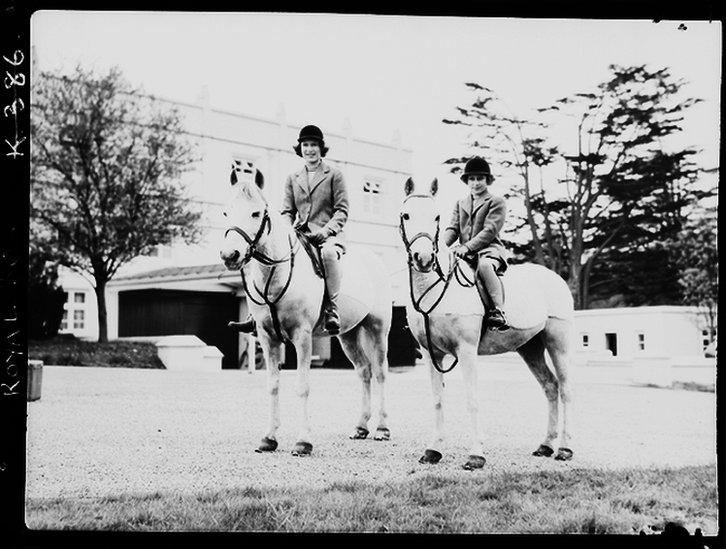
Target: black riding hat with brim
column 475, row 166
column 308, row 133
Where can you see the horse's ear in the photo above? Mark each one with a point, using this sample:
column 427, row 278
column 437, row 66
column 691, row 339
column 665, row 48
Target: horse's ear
column 259, row 179
column 434, row 187
column 408, row 186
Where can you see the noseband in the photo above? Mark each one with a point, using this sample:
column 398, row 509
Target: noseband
column 253, row 242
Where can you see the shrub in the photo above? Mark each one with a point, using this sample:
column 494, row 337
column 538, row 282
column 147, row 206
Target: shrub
column 45, row 297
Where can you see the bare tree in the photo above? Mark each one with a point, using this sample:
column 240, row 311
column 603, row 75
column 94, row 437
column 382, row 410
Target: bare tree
column 105, row 175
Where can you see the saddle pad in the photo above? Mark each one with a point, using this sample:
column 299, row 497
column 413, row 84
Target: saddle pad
column 525, row 306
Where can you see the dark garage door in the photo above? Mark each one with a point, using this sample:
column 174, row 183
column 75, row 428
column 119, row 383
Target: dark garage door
column 402, row 346
column 179, row 312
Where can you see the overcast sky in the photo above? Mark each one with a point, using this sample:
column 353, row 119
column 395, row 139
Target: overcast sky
column 384, row 73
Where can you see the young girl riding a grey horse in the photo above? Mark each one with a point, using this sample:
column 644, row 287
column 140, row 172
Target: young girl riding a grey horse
column 476, row 222
column 316, row 204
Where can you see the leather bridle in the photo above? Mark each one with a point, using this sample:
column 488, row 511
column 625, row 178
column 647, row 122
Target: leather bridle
column 263, row 296
column 454, row 270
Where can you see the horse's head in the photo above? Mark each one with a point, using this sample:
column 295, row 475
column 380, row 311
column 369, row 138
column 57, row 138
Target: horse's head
column 419, row 225
column 247, row 214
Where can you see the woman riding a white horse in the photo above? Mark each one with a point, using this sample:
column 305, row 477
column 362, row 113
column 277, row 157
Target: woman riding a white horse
column 285, row 288
column 316, row 203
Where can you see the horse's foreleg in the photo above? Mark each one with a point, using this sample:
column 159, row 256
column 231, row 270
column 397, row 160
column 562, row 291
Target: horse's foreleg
column 272, row 353
column 467, row 363
column 433, row 452
column 533, row 354
column 302, row 339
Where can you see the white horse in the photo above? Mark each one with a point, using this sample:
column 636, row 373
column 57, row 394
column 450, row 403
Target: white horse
column 539, row 309
column 286, row 296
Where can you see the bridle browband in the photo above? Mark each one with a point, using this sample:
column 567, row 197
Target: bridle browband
column 454, row 272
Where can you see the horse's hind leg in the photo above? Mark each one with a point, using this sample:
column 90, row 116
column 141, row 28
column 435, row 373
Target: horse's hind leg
column 558, row 341
column 352, row 344
column 533, row 354
column 376, row 333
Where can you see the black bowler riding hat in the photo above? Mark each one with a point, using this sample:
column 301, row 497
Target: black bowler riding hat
column 311, row 132
column 476, row 166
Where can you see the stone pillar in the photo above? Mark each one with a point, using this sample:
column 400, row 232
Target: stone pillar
column 278, row 164
column 204, row 102
column 112, row 312
column 348, row 150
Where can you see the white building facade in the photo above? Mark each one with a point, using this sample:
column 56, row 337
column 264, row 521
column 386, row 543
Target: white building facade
column 639, row 332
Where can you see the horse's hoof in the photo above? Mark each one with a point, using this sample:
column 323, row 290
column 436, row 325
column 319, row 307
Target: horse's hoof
column 563, row 454
column 359, row 433
column 474, row 462
column 543, row 451
column 302, row 449
column 266, row 445
column 382, row 433
column 430, row 456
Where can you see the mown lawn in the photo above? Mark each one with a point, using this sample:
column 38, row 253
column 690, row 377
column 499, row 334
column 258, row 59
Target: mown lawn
column 573, row 501
column 65, row 351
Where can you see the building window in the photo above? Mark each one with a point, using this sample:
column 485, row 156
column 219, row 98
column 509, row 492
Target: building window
column 64, row 321
column 79, row 297
column 79, row 320
column 372, row 197
column 244, row 168
column 641, row 342
column 706, row 339
column 585, row 340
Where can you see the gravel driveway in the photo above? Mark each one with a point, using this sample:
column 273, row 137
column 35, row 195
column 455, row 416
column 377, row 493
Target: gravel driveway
column 106, row 431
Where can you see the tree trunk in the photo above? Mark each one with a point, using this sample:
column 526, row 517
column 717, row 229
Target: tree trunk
column 538, row 252
column 574, row 283
column 585, row 284
column 102, row 316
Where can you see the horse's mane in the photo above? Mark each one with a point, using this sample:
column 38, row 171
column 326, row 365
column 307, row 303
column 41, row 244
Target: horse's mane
column 253, row 191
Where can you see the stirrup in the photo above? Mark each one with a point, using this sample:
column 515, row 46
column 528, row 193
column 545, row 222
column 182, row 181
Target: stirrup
column 331, row 322
column 249, row 326
column 499, row 324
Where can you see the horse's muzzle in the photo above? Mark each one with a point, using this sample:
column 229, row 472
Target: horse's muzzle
column 423, row 266
column 231, row 260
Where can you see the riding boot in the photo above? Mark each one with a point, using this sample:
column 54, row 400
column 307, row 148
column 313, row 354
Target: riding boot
column 332, row 320
column 488, row 279
column 249, row 326
column 330, row 256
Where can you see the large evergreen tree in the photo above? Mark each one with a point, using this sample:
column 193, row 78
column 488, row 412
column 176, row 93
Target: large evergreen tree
column 621, row 188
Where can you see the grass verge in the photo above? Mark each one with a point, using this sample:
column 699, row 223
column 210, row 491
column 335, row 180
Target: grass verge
column 561, row 502
column 64, row 351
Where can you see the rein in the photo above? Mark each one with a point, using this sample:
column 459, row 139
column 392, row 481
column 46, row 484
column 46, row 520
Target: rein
column 264, row 259
column 454, row 272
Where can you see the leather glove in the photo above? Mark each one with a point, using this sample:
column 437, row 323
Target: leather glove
column 318, row 237
column 461, row 251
